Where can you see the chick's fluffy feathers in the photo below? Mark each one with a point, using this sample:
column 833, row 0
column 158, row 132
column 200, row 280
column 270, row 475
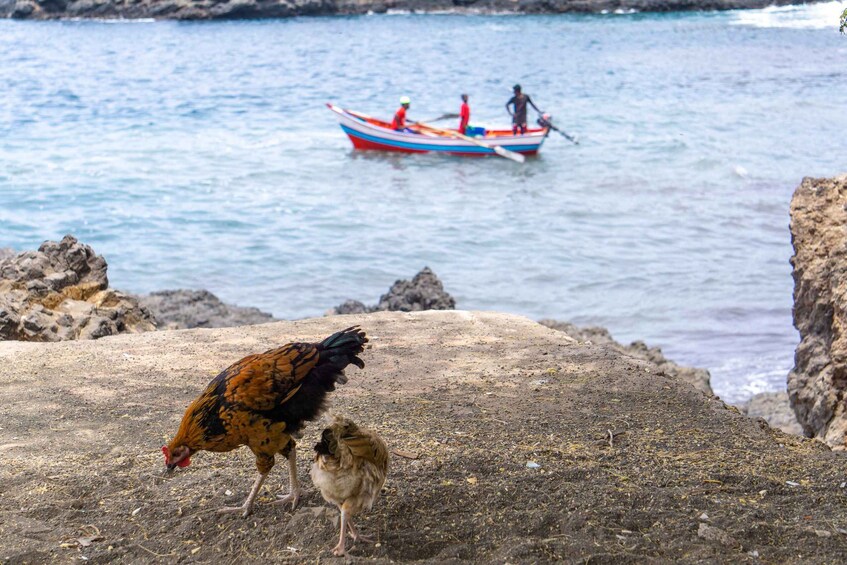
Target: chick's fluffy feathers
column 350, row 465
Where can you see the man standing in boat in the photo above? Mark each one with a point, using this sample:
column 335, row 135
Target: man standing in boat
column 464, row 115
column 519, row 100
column 399, row 121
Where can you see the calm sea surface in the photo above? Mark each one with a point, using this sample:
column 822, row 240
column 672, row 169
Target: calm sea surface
column 201, row 155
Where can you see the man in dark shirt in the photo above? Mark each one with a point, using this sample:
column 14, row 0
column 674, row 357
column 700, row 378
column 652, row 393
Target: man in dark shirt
column 519, row 100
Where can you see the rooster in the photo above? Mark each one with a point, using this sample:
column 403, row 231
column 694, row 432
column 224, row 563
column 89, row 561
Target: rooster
column 263, row 401
column 349, row 468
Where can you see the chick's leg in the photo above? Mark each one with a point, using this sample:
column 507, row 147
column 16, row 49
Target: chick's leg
column 354, row 532
column 340, row 549
column 294, row 493
column 247, row 508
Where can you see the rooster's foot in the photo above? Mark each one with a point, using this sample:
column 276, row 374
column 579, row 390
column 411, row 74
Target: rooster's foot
column 245, row 509
column 293, row 497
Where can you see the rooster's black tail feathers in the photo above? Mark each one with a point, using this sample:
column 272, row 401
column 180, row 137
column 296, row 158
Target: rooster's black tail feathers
column 341, row 348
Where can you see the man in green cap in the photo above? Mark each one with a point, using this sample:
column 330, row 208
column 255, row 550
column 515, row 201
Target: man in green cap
column 519, row 101
column 399, row 122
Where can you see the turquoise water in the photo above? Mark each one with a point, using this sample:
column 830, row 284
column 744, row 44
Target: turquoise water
column 201, row 155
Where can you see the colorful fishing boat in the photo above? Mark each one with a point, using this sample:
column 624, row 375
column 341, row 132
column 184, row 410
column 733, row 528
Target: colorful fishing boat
column 370, row 133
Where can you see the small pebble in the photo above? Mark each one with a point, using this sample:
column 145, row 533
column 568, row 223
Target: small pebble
column 532, row 465
column 136, row 511
column 792, row 484
column 704, row 517
column 228, row 492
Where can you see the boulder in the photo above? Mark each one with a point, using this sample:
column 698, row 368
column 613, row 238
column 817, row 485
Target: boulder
column 817, row 384
column 181, row 309
column 424, row 292
column 61, row 292
column 775, row 409
column 699, row 378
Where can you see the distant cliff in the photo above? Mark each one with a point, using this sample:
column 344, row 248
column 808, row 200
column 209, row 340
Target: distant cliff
column 256, row 9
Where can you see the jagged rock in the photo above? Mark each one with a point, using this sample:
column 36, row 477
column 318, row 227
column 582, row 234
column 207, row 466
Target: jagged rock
column 181, row 309
column 699, row 378
column 352, row 307
column 61, row 292
column 775, row 408
column 424, row 292
column 6, row 252
column 817, row 385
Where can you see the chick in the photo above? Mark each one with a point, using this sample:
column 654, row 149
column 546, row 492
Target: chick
column 349, row 468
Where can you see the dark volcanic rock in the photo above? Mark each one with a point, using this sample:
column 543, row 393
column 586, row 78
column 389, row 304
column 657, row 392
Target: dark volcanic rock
column 817, row 385
column 62, row 292
column 181, row 309
column 352, row 307
column 699, row 378
column 254, row 9
column 423, row 292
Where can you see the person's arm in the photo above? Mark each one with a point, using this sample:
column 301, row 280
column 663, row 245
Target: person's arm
column 531, row 103
column 509, row 103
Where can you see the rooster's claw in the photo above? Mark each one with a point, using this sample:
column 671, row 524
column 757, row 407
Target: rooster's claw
column 293, row 497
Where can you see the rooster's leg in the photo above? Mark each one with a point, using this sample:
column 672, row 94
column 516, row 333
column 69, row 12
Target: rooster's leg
column 247, row 508
column 339, row 549
column 294, row 493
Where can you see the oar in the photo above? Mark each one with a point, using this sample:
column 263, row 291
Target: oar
column 501, row 151
column 544, row 122
column 564, row 133
column 444, row 117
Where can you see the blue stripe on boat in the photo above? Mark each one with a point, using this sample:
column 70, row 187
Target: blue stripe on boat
column 428, row 147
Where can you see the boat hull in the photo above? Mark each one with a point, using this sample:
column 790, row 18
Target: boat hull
column 370, row 134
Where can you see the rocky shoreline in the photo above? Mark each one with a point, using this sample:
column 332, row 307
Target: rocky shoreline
column 60, row 292
column 262, row 9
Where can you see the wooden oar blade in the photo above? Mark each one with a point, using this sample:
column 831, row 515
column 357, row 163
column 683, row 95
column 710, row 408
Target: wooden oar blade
column 503, row 152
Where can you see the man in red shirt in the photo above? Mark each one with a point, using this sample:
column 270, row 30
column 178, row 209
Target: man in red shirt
column 464, row 115
column 399, row 122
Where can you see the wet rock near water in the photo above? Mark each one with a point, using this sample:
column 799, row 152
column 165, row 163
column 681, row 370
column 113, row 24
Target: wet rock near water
column 424, row 292
column 817, row 385
column 257, row 9
column 775, row 409
column 181, row 309
column 61, row 292
column 699, row 378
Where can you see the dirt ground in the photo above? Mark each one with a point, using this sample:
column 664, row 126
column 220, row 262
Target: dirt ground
column 509, row 423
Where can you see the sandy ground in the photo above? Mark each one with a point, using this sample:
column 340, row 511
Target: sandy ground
column 510, row 423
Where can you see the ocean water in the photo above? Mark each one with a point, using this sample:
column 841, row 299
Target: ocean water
column 201, row 155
